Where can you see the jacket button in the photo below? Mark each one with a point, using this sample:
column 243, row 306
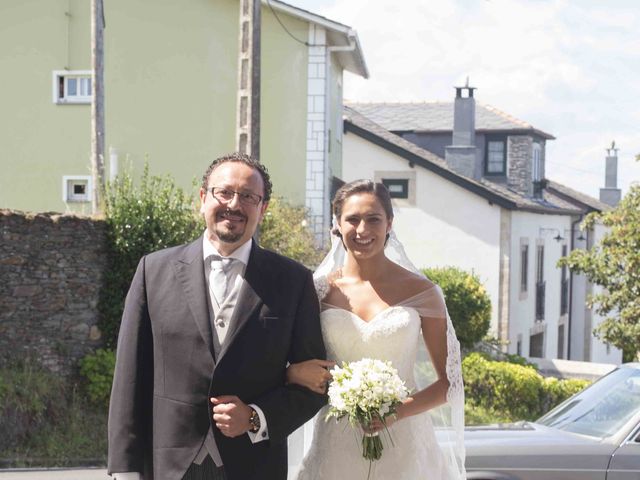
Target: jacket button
column 264, row 434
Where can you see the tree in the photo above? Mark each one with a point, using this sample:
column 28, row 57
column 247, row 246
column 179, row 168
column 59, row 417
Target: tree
column 284, row 230
column 614, row 263
column 467, row 300
column 140, row 219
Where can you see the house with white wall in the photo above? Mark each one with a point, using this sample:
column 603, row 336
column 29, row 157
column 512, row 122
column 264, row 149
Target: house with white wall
column 479, row 201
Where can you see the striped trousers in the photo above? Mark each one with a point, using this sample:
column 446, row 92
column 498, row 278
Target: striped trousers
column 205, row 471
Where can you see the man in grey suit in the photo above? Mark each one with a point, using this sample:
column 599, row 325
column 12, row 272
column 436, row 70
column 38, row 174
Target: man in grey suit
column 207, row 331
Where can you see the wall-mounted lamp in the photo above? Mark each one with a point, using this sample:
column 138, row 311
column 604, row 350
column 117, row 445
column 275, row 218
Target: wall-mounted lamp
column 558, row 237
column 581, row 238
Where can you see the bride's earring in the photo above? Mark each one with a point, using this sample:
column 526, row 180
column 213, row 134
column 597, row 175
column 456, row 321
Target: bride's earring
column 386, row 239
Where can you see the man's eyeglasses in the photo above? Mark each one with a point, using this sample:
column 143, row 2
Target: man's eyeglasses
column 225, row 195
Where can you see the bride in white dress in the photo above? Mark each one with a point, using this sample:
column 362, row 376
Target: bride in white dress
column 375, row 304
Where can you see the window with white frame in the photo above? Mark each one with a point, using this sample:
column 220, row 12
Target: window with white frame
column 496, row 156
column 76, row 188
column 72, row 86
column 537, row 162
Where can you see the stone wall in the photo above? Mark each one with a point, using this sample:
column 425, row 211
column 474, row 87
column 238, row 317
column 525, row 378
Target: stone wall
column 519, row 175
column 51, row 270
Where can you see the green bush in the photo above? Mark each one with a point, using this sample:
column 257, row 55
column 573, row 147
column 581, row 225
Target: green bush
column 284, row 230
column 467, row 302
column 510, row 392
column 46, row 421
column 97, row 370
column 140, row 219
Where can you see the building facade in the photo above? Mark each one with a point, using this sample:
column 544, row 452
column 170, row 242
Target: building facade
column 170, row 96
column 470, row 191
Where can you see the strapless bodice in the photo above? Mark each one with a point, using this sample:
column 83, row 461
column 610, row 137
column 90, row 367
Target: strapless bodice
column 393, row 334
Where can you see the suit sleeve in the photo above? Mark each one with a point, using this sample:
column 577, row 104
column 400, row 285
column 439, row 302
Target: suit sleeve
column 130, row 408
column 288, row 407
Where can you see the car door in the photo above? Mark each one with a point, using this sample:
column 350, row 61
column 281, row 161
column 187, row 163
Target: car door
column 625, row 461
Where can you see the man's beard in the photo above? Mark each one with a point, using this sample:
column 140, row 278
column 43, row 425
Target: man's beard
column 227, row 236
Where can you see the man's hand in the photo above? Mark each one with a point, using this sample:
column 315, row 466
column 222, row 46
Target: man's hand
column 231, row 415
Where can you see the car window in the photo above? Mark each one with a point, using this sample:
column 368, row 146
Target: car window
column 602, row 409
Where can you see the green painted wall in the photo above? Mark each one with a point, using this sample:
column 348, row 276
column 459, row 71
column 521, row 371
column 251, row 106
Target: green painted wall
column 170, row 74
column 39, row 140
column 284, row 104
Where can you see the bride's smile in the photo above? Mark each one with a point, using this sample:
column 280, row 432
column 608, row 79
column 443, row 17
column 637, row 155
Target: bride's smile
column 364, row 225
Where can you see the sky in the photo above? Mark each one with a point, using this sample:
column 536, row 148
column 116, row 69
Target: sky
column 568, row 67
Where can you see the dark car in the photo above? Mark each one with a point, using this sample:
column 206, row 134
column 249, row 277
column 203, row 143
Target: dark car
column 593, row 435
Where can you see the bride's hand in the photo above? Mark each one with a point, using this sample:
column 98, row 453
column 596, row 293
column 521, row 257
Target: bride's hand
column 312, row 374
column 378, row 425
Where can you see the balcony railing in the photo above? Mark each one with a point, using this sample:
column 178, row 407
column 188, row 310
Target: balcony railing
column 564, row 297
column 540, row 300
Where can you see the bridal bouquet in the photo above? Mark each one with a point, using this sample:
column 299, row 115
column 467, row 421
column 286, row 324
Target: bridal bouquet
column 363, row 391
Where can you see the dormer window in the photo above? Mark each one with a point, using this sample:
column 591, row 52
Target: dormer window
column 536, row 167
column 537, row 162
column 495, row 156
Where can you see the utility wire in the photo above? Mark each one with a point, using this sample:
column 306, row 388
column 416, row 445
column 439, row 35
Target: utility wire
column 590, row 172
column 289, row 33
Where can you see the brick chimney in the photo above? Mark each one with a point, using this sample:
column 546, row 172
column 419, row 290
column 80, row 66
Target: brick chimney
column 461, row 155
column 611, row 194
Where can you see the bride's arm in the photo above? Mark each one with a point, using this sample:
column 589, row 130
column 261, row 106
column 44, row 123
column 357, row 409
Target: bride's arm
column 312, row 374
column 434, row 332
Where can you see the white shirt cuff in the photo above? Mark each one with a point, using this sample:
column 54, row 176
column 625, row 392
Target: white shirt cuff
column 127, row 476
column 263, row 433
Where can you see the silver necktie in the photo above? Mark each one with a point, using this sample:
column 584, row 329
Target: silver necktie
column 218, row 277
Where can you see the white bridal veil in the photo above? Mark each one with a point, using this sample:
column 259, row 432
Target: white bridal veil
column 448, row 418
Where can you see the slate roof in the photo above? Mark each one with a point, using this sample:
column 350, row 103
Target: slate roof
column 553, row 201
column 438, row 117
column 577, row 197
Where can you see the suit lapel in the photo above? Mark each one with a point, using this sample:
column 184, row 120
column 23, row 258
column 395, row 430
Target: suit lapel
column 248, row 299
column 190, row 272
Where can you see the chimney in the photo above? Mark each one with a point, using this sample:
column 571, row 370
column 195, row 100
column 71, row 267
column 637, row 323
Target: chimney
column 611, row 194
column 461, row 155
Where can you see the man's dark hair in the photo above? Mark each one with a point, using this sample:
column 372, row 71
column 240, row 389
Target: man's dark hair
column 247, row 160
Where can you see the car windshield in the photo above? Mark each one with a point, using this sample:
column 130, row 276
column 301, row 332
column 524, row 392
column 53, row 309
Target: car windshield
column 601, row 409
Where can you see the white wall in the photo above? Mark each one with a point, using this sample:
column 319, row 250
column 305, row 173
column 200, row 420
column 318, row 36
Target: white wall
column 448, row 225
column 537, row 229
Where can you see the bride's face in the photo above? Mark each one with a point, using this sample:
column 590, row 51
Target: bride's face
column 364, row 225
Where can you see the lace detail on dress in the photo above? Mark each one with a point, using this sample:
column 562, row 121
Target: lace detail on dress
column 322, row 287
column 394, row 335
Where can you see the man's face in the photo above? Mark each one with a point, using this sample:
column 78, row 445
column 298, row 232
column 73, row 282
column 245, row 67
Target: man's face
column 232, row 223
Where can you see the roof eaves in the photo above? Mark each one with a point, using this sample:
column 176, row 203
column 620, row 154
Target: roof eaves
column 412, row 157
column 571, row 195
column 308, row 16
column 358, row 65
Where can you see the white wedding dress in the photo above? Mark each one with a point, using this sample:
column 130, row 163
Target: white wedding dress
column 411, row 450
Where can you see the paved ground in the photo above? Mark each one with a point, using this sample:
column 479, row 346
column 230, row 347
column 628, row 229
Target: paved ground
column 55, row 474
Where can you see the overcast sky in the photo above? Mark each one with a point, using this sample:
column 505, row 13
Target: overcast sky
column 568, row 67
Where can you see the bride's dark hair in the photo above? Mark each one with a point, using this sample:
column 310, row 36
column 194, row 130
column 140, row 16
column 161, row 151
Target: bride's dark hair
column 361, row 186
